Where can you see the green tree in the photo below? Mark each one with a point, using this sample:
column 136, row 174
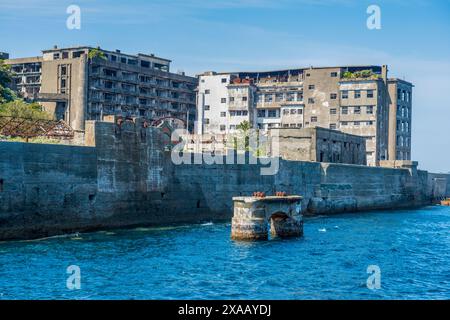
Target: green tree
column 20, row 109
column 96, row 53
column 6, row 94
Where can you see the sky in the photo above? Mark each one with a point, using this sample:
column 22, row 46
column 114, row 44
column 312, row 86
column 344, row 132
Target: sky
column 247, row 35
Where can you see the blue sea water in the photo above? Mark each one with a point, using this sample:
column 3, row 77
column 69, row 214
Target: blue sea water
column 411, row 248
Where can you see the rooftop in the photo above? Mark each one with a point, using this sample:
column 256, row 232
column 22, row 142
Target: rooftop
column 56, row 49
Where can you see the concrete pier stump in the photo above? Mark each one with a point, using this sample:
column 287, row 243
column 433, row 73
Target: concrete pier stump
column 252, row 216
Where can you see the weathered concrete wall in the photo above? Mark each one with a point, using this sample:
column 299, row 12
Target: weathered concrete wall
column 45, row 188
column 125, row 179
column 439, row 185
column 320, row 144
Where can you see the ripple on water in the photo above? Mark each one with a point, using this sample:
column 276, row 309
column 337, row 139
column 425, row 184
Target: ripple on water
column 411, row 247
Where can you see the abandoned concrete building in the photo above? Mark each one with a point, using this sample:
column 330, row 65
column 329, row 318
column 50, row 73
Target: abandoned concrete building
column 319, row 145
column 85, row 83
column 359, row 100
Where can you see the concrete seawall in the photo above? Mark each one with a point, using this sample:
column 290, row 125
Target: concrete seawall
column 125, row 178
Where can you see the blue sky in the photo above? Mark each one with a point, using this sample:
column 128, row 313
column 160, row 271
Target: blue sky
column 231, row 35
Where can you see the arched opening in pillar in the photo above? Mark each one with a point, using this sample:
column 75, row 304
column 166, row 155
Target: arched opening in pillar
column 283, row 226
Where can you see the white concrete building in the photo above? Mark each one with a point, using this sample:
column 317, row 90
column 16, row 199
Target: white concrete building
column 358, row 100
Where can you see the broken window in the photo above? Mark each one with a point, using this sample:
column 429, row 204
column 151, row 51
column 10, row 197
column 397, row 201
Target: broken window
column 145, row 64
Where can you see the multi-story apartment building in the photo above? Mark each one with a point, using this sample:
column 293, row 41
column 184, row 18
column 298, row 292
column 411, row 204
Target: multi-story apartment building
column 85, row 83
column 400, row 116
column 27, row 76
column 357, row 100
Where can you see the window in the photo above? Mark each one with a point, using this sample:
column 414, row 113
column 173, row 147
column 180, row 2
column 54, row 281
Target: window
column 207, row 91
column 290, row 97
column 300, row 111
column 223, row 114
column 207, row 108
column 244, row 99
column 113, row 58
column 333, row 111
column 56, row 56
column 77, row 54
column 357, row 94
column 233, row 127
column 308, row 75
column 311, row 87
column 344, row 123
column 206, row 121
column 357, row 110
column 285, row 111
column 109, row 85
column 222, row 127
column 369, row 123
column 223, row 100
column 334, row 74
column 268, row 98
column 132, row 62
column 63, row 70
column 313, row 119
column 293, row 111
column 272, row 114
column 369, row 109
column 357, row 123
column 279, row 97
column 65, row 55
column 344, row 94
column 344, row 110
column 311, row 100
column 123, row 60
column 370, row 94
column 333, row 126
column 261, row 113
column 224, row 80
column 145, row 64
column 333, row 96
column 231, row 99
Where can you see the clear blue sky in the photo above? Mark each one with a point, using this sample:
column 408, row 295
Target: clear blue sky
column 229, row 35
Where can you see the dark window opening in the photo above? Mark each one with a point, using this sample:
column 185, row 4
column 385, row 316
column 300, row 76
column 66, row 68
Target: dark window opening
column 1, row 185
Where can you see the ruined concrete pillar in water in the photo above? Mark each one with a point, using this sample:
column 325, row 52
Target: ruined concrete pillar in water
column 253, row 215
